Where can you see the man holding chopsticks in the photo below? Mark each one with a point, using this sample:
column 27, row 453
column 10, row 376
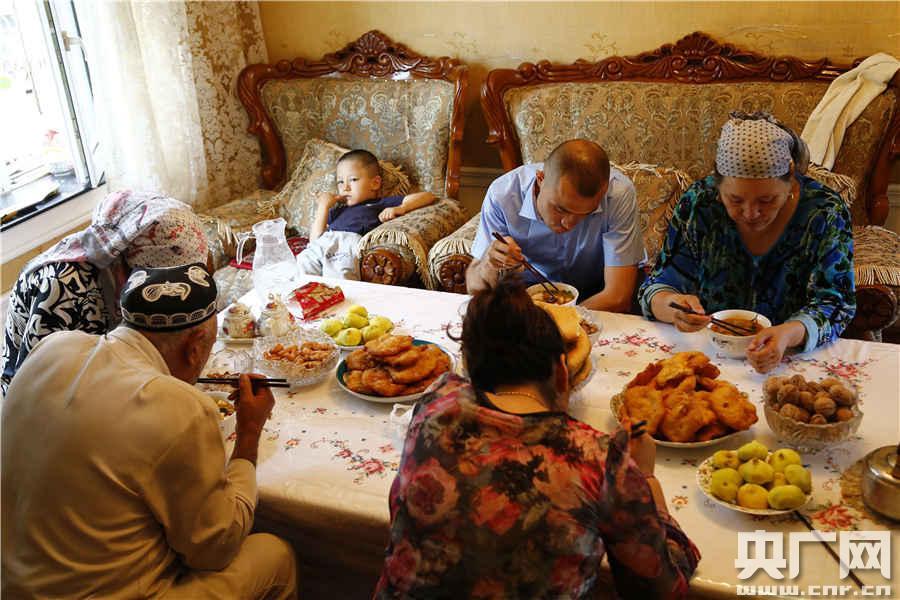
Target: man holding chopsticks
column 115, row 480
column 573, row 217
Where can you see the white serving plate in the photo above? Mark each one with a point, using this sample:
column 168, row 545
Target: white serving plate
column 704, row 476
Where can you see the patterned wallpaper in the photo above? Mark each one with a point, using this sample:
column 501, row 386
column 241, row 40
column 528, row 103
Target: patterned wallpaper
column 489, row 35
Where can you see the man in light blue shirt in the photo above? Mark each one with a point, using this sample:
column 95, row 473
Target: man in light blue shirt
column 573, row 218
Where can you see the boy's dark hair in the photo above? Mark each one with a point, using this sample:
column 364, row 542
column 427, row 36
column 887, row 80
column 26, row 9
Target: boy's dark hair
column 582, row 162
column 507, row 339
column 364, row 158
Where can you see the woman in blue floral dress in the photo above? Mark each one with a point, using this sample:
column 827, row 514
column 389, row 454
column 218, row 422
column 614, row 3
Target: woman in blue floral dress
column 758, row 235
column 501, row 494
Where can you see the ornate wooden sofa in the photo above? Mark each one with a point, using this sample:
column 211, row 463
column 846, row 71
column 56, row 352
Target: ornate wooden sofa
column 374, row 94
column 666, row 107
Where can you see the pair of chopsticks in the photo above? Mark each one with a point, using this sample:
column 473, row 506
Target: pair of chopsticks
column 268, row 382
column 638, row 429
column 735, row 329
column 542, row 278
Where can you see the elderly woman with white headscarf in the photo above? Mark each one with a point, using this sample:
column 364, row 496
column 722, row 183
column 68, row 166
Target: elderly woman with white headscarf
column 759, row 235
column 75, row 284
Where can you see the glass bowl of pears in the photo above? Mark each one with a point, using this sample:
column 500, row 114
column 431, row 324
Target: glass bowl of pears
column 756, row 481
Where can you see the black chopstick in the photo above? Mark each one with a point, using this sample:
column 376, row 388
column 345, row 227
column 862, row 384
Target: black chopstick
column 736, row 329
column 637, row 429
column 270, row 382
column 802, row 518
column 531, row 268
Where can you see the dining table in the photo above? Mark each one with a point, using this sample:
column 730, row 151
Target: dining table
column 327, row 459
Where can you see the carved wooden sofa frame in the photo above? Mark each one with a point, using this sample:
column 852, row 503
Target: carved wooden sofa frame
column 695, row 59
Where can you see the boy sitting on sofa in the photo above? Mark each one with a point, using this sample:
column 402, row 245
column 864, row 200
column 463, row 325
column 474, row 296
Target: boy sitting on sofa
column 342, row 219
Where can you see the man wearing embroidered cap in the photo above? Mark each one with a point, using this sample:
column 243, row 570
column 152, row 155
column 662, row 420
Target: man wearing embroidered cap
column 114, row 477
column 760, row 235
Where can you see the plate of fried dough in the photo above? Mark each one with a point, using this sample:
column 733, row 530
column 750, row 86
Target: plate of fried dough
column 577, row 340
column 684, row 402
column 393, row 369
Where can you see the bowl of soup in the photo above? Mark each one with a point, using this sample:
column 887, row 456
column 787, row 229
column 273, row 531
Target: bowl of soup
column 729, row 343
column 567, row 295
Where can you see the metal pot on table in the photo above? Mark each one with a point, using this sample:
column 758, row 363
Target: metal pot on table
column 881, row 481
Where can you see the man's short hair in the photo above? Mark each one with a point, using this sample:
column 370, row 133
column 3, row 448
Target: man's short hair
column 363, row 158
column 583, row 162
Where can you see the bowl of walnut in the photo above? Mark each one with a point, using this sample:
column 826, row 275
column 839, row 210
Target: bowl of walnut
column 811, row 414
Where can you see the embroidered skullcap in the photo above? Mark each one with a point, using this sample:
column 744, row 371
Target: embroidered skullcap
column 176, row 238
column 170, row 298
column 754, row 146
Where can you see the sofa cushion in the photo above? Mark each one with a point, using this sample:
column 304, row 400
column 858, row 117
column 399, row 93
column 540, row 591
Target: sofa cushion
column 406, row 122
column 658, row 190
column 416, row 232
column 844, row 185
column 678, row 124
column 315, row 173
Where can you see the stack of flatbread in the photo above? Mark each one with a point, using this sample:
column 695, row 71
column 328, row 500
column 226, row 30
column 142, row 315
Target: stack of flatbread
column 578, row 346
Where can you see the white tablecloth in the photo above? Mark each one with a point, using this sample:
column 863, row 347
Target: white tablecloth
column 327, row 459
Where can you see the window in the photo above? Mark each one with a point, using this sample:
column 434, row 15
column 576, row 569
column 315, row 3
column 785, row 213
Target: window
column 48, row 145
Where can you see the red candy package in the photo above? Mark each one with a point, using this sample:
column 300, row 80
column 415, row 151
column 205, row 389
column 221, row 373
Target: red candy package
column 315, row 297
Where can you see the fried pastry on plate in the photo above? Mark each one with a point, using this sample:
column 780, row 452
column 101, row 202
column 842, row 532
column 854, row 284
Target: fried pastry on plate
column 566, row 319
column 360, row 360
column 578, row 354
column 404, row 359
column 389, row 345
column 731, row 408
column 353, row 380
column 420, row 369
column 380, row 382
column 686, row 415
column 644, row 403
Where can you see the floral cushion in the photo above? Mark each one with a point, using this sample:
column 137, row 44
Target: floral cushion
column 416, row 233
column 678, row 124
column 658, row 190
column 315, row 173
column 406, row 121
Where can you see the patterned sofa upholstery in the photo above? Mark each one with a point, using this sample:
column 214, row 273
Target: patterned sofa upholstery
column 666, row 107
column 373, row 94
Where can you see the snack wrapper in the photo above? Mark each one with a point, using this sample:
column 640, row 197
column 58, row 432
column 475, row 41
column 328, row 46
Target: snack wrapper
column 315, row 297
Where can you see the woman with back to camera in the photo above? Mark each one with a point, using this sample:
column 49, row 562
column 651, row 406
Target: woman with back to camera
column 501, row 494
column 760, row 235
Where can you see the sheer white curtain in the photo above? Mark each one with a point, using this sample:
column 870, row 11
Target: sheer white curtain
column 164, row 77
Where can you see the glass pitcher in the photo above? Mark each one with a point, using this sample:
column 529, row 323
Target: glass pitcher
column 274, row 267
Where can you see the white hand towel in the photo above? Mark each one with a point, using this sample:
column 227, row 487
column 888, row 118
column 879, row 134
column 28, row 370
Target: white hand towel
column 846, row 98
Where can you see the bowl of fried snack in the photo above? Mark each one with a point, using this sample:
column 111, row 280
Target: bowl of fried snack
column 727, row 341
column 577, row 340
column 303, row 357
column 811, row 414
column 393, row 369
column 226, row 411
column 684, row 403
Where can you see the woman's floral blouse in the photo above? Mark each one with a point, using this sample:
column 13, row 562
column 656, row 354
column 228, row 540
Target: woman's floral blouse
column 807, row 276
column 493, row 505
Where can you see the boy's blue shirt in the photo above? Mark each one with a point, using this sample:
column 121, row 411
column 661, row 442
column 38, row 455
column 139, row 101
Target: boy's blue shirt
column 361, row 218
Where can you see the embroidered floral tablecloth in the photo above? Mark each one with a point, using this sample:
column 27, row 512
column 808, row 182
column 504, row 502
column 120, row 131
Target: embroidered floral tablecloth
column 327, row 458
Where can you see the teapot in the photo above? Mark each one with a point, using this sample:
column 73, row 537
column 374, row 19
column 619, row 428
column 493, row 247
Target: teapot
column 274, row 266
column 881, row 482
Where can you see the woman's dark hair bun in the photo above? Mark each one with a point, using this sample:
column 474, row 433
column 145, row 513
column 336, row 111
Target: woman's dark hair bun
column 507, row 338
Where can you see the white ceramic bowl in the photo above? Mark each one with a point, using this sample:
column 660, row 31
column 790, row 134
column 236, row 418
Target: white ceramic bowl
column 538, row 290
column 228, row 422
column 734, row 346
